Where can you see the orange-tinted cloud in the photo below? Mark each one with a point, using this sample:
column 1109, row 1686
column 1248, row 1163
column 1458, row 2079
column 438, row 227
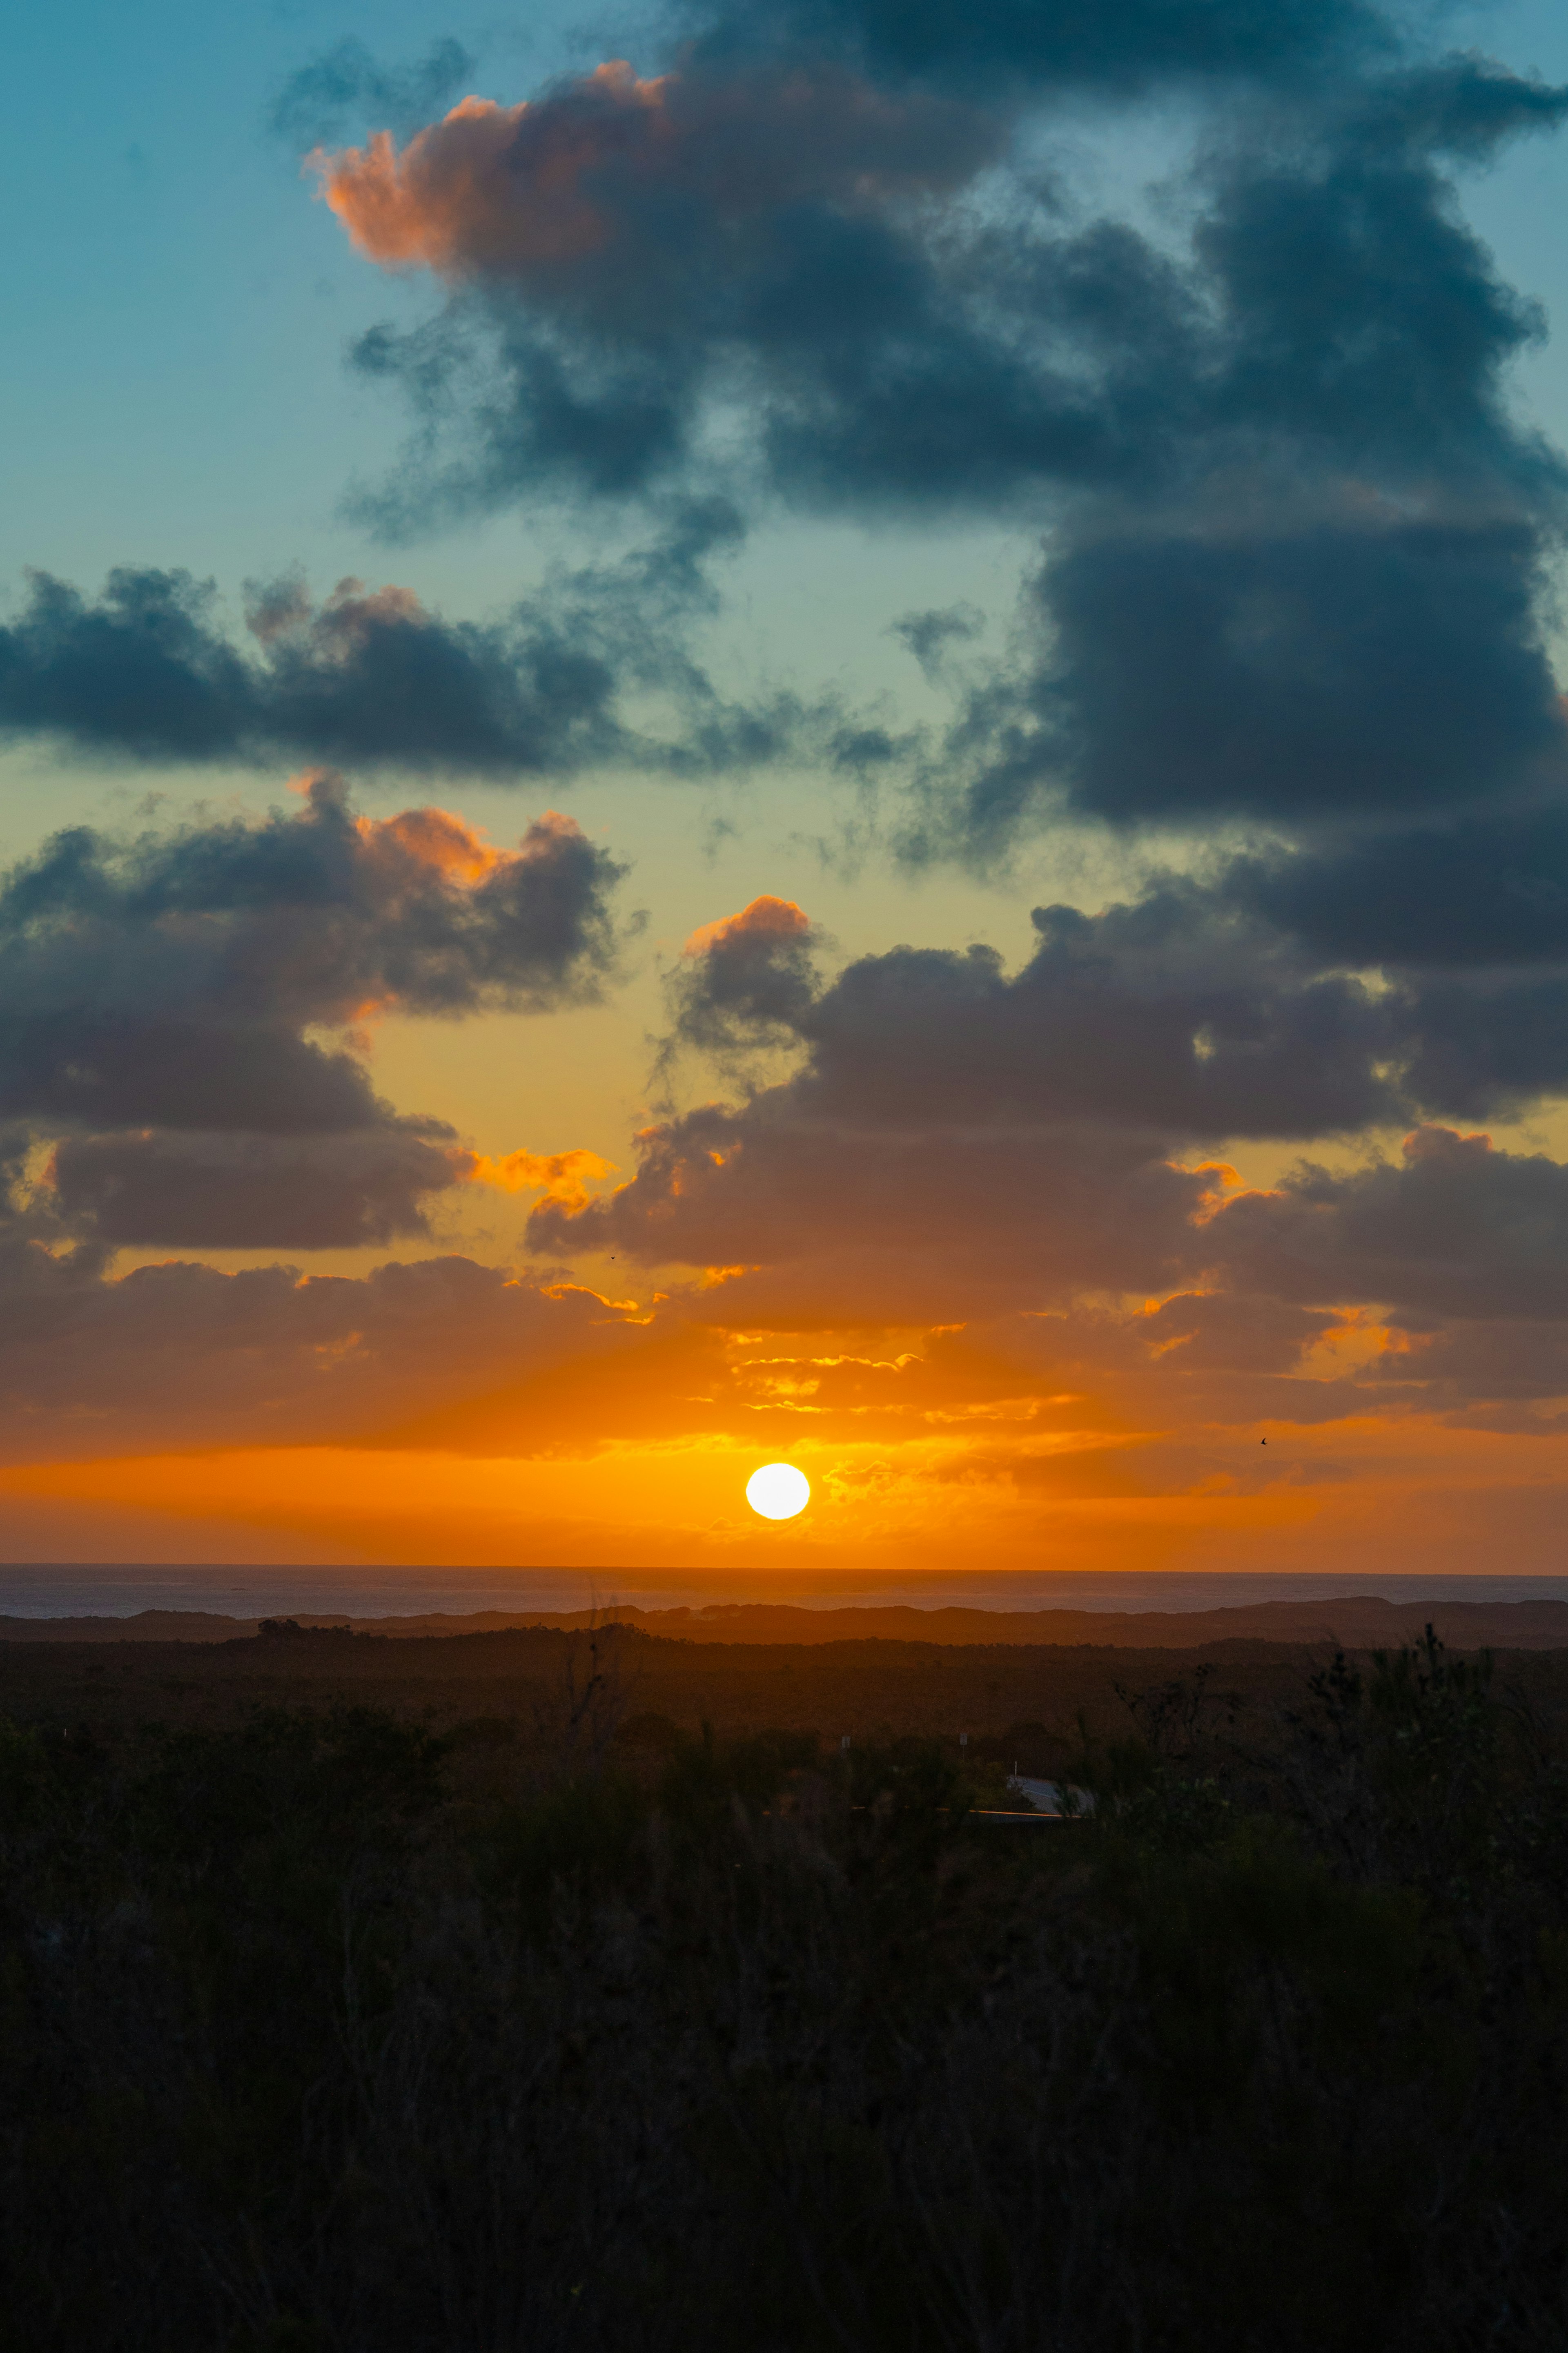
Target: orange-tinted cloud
column 449, row 202
column 422, row 846
column 745, row 982
column 527, row 191
column 767, row 920
column 563, row 1177
column 436, row 838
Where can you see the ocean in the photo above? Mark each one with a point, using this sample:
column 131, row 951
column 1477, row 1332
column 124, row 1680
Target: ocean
column 55, row 1590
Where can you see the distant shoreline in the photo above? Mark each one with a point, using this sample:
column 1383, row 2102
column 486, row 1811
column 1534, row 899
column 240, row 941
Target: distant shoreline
column 247, row 1592
column 1360, row 1622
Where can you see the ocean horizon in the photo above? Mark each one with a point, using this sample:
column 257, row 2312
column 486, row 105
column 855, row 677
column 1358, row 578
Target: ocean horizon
column 78, row 1589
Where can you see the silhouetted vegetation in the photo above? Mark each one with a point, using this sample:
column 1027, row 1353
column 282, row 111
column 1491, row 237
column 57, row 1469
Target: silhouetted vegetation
column 570, row 2027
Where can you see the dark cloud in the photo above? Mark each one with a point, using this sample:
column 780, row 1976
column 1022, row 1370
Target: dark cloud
column 372, row 679
column 961, row 1138
column 256, row 1192
column 1339, row 671
column 933, row 635
column 1204, row 1333
column 1300, row 537
column 967, row 1137
column 306, row 918
column 1332, row 604
column 1468, row 920
column 954, row 1138
column 610, row 197
column 1177, row 1013
column 745, row 235
column 367, row 678
column 817, row 1220
column 155, row 994
column 627, row 255
column 784, row 253
column 1120, row 46
column 1294, row 577
column 504, row 410
column 346, row 87
column 1428, row 1263
column 181, row 1353
column 1496, row 1363
column 1489, row 1045
column 1490, row 889
column 92, row 1066
column 1456, row 1228
column 1197, row 1009
column 1356, row 315
column 749, row 981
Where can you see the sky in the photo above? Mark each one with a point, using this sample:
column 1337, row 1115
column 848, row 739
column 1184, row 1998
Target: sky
column 828, row 731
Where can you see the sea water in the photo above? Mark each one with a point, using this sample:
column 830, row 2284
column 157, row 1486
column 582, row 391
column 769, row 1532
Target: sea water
column 60, row 1589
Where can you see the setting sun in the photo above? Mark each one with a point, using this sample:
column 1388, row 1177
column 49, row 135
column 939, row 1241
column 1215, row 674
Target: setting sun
column 778, row 1490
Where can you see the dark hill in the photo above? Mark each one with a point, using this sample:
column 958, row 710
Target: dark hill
column 1362, row 1621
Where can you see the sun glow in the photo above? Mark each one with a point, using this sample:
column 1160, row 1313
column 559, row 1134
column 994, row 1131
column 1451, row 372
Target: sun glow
column 778, row 1490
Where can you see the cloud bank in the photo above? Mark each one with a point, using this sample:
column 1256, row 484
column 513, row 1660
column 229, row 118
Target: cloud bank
column 954, row 1141
column 372, row 679
column 162, row 995
column 1296, row 538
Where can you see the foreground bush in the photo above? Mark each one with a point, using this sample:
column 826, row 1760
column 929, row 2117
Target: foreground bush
column 328, row 2034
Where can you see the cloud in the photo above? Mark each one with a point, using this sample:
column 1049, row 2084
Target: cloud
column 1468, row 922
column 1495, row 1045
column 832, row 1223
column 931, row 635
column 746, row 981
column 76, row 1064
column 1344, row 670
column 966, row 1141
column 470, row 1359
column 785, row 219
column 180, row 1353
column 1328, row 598
column 961, row 1139
column 562, row 1176
column 1435, row 1283
column 957, row 1138
column 592, row 180
column 786, row 255
column 1491, row 888
column 906, row 314
column 318, row 916
column 345, row 86
column 155, row 994
column 1123, row 47
column 1198, row 1010
column 1295, row 543
column 1298, row 537
column 370, row 680
column 628, row 257
column 1456, row 1228
column 1177, row 1013
column 228, row 1191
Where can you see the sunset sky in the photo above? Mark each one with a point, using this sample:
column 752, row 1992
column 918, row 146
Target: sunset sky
column 821, row 730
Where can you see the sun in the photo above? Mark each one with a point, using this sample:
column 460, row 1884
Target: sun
column 778, row 1490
